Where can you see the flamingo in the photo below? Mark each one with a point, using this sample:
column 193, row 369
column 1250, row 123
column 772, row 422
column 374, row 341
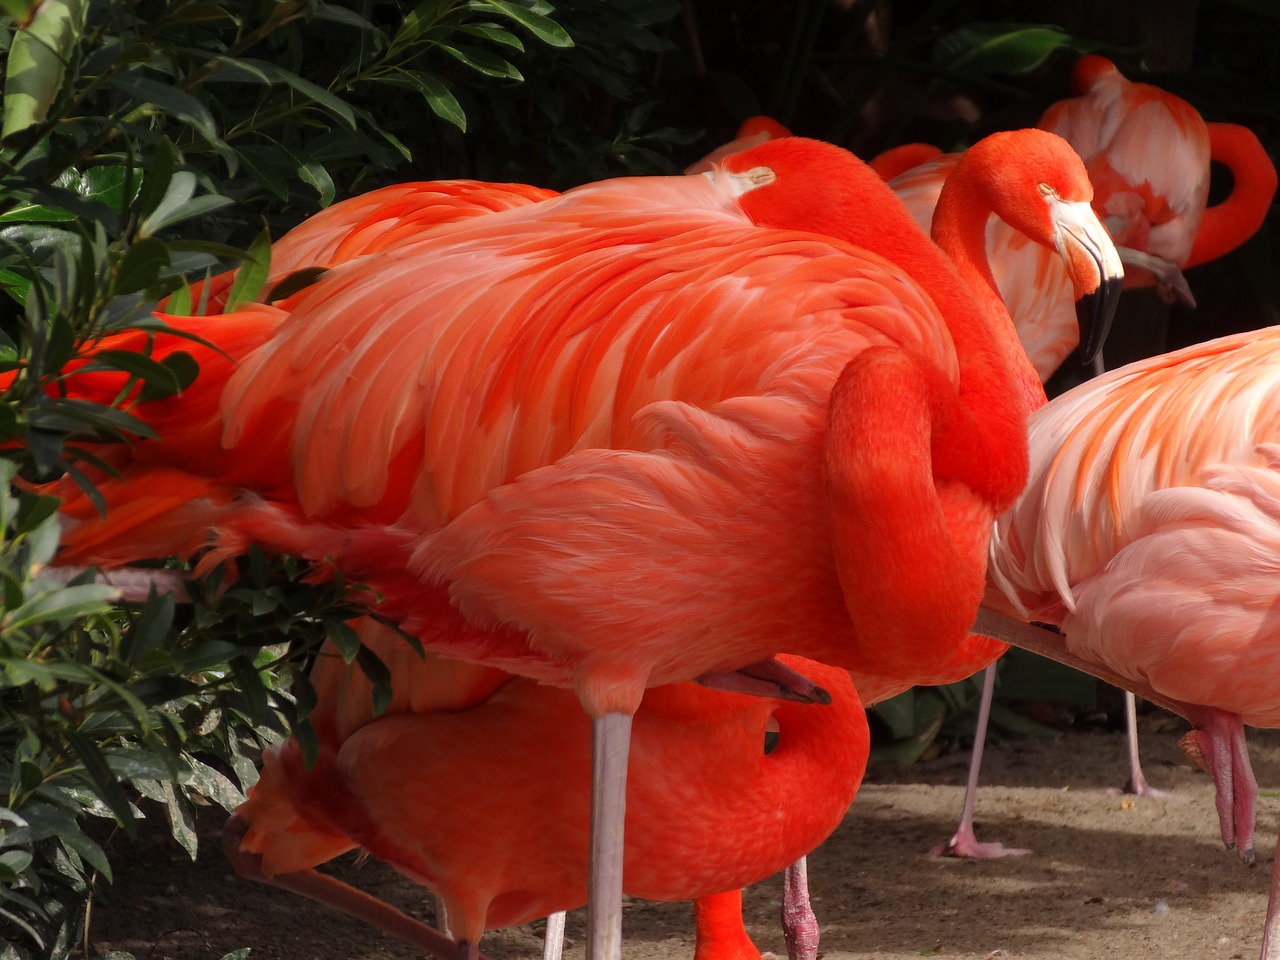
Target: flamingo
column 1149, row 533
column 370, row 223
column 645, row 431
column 484, row 799
column 1148, row 153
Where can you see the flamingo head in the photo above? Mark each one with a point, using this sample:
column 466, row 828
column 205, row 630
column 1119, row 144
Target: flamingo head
column 794, row 183
column 1035, row 182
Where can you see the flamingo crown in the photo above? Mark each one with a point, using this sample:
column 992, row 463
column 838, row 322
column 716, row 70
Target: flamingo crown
column 1021, row 194
column 802, row 184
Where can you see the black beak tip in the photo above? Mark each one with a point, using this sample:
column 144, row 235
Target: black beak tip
column 819, row 695
column 1094, row 313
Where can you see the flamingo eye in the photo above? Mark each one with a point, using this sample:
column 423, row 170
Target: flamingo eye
column 1046, row 190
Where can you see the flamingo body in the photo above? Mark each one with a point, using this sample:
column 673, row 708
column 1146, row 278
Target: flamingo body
column 487, row 805
column 1117, row 126
column 714, row 403
column 1147, row 529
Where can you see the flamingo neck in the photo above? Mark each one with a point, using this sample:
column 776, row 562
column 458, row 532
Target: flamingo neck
column 960, row 229
column 1230, row 223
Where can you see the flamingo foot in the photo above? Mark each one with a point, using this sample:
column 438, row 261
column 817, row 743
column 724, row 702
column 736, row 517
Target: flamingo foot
column 966, row 845
column 1216, row 745
column 1170, row 284
column 1137, row 784
column 799, row 923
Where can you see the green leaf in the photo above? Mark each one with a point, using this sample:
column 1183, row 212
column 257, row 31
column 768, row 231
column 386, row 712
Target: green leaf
column 1015, row 722
column 177, row 103
column 75, row 839
column 379, row 675
column 317, row 176
column 252, row 273
column 36, row 63
column 898, row 714
column 19, row 10
column 180, row 203
column 441, row 101
column 141, row 265
column 316, row 94
column 343, row 636
column 157, row 180
column 493, row 33
column 13, row 862
column 214, row 785
column 105, row 785
column 34, row 510
column 65, row 604
column 136, row 364
column 985, row 49
column 181, row 823
column 267, row 165
column 249, row 683
column 1026, row 676
column 544, row 28
column 341, row 15
column 182, row 372
column 149, row 631
column 482, row 61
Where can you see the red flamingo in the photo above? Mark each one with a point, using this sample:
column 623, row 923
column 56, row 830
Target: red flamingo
column 429, row 789
column 641, row 432
column 1149, row 533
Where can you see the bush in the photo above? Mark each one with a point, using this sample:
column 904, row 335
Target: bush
column 146, row 143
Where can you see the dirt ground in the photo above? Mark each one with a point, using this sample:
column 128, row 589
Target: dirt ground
column 1109, row 876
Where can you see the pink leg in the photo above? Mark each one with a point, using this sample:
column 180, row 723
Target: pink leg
column 799, row 924
column 964, row 843
column 1137, row 783
column 1216, row 744
column 341, row 896
column 1271, row 930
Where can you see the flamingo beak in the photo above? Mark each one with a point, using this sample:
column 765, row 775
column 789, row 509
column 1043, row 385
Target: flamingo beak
column 768, row 678
column 1094, row 266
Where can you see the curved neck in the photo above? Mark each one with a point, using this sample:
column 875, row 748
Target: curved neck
column 960, row 229
column 1230, row 223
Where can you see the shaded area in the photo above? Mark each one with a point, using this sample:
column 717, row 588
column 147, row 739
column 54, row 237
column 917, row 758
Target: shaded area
column 1109, row 876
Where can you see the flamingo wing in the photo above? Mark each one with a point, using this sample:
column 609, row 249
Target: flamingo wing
column 1152, row 480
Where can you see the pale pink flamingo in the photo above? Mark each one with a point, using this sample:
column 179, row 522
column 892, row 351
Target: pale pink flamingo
column 648, row 430
column 1150, row 534
column 1148, row 153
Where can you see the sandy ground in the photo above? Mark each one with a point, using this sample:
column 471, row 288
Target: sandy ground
column 1110, row 876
